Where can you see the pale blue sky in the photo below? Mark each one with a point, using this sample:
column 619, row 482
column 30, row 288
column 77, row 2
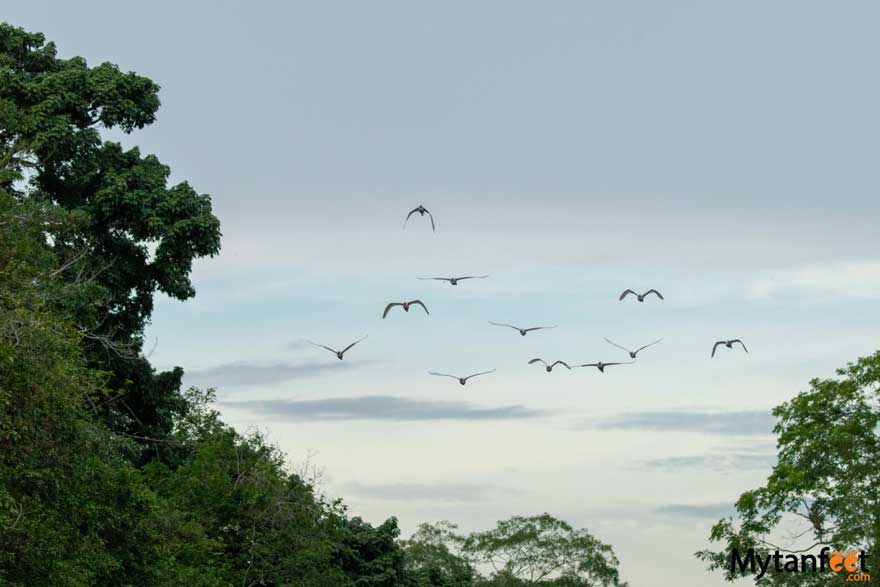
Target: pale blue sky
column 725, row 153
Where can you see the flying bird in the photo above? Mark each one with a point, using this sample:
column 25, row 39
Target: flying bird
column 729, row 344
column 522, row 331
column 334, row 351
column 461, row 380
column 453, row 280
column 405, row 306
column 632, row 354
column 422, row 211
column 550, row 366
column 601, row 366
column 640, row 297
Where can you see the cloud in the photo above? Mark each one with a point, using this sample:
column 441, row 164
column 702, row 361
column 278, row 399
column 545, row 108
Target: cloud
column 381, row 407
column 742, row 423
column 852, row 279
column 245, row 373
column 713, row 511
column 454, row 492
column 739, row 461
column 295, row 345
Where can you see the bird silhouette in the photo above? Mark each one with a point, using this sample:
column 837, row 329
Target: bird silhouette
column 551, row 365
column 632, row 354
column 601, row 366
column 338, row 354
column 640, row 297
column 453, row 280
column 729, row 344
column 422, row 211
column 461, row 380
column 522, row 331
column 405, row 306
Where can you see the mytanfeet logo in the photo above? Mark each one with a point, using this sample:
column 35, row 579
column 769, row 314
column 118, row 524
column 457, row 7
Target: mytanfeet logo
column 853, row 564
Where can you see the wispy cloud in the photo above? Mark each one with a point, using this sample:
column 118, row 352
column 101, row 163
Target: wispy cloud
column 713, row 510
column 295, row 345
column 381, row 407
column 849, row 279
column 245, row 373
column 739, row 461
column 741, row 423
column 454, row 492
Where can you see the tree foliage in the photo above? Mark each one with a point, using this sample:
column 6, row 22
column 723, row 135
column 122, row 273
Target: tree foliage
column 132, row 234
column 543, row 550
column 825, row 488
column 433, row 557
column 77, row 506
column 73, row 509
column 519, row 551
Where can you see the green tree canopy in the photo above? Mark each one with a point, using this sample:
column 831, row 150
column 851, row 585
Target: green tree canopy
column 131, row 233
column 519, row 551
column 51, row 110
column 433, row 557
column 74, row 511
column 543, row 549
column 371, row 556
column 825, row 487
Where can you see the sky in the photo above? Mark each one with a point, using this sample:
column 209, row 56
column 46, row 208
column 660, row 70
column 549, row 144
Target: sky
column 722, row 153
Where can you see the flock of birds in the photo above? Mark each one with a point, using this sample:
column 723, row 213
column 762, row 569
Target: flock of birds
column 600, row 365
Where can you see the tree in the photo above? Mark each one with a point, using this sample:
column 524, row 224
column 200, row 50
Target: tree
column 271, row 526
column 371, row 556
column 433, row 557
column 542, row 550
column 134, row 233
column 825, row 487
column 74, row 512
column 50, row 113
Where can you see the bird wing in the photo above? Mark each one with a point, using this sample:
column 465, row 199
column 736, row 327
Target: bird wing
column 618, row 346
column 563, row 363
column 588, row 365
column 537, row 360
column 647, row 345
column 507, row 325
column 472, row 277
column 626, row 363
column 441, row 375
column 388, row 308
column 537, row 328
column 413, row 211
column 627, row 292
column 480, row 373
column 322, row 346
column 741, row 343
column 343, row 351
column 434, row 278
column 431, row 216
column 654, row 291
column 715, row 347
column 419, row 302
